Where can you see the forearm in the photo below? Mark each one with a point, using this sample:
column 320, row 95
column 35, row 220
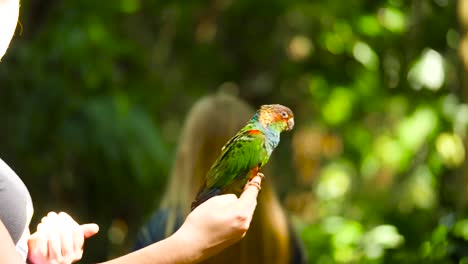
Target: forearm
column 8, row 252
column 172, row 250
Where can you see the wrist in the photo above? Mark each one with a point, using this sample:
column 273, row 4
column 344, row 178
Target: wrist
column 190, row 250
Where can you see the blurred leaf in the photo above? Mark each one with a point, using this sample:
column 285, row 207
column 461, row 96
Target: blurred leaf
column 338, row 109
column 451, row 150
column 369, row 25
column 365, row 55
column 392, row 19
column 461, row 228
column 428, row 71
column 414, row 130
column 334, row 182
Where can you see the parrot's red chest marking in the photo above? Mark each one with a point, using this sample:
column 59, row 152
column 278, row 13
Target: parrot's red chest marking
column 254, row 172
column 254, row 132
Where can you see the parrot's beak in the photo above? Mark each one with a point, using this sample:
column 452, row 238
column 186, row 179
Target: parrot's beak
column 290, row 123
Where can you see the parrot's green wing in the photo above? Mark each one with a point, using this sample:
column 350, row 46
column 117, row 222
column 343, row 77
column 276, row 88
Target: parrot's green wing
column 242, row 155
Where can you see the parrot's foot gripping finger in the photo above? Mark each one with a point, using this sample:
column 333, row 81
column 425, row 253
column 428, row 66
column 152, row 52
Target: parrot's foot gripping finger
column 261, row 175
column 255, row 184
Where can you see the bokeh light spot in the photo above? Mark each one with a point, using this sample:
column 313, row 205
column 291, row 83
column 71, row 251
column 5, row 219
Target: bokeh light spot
column 365, row 55
column 428, row 71
column 299, row 48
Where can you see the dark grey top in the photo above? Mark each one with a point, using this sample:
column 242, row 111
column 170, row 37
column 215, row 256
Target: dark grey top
column 15, row 204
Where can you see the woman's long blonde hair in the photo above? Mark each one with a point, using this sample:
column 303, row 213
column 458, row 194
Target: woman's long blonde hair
column 209, row 125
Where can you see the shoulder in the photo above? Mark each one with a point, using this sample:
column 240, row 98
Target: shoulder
column 245, row 135
column 16, row 206
column 10, row 182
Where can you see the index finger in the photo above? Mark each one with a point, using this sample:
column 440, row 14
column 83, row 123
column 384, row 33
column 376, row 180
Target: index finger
column 248, row 198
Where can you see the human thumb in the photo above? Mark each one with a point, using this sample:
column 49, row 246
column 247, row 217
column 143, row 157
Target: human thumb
column 89, row 230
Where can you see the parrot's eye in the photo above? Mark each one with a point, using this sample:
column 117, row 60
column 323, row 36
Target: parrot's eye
column 284, row 114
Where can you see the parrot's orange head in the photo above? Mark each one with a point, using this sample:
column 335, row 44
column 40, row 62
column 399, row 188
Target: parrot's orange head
column 277, row 115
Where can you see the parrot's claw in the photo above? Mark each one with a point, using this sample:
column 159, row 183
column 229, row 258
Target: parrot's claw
column 255, row 184
column 261, row 175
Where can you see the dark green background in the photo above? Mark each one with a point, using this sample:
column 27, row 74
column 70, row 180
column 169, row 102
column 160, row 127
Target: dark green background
column 93, row 95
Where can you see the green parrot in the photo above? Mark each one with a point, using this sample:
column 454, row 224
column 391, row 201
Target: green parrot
column 246, row 153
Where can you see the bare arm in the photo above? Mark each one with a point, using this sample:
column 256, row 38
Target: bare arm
column 8, row 252
column 211, row 227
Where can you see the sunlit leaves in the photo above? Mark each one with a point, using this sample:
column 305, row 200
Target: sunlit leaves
column 379, row 238
column 339, row 106
column 339, row 37
column 414, row 130
column 428, row 71
column 436, row 247
column 461, row 229
column 350, row 242
column 334, row 43
column 370, row 166
column 334, row 182
column 392, row 19
column 345, row 237
column 365, row 55
column 369, row 25
column 395, row 135
column 419, row 190
column 391, row 152
column 391, row 132
column 456, row 112
column 450, row 148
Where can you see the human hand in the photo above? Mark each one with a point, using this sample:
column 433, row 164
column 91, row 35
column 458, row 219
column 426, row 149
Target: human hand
column 58, row 240
column 220, row 221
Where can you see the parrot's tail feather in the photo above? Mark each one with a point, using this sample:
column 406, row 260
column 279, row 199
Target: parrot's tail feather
column 204, row 195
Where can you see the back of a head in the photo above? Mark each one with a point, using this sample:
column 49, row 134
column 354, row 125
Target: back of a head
column 9, row 11
column 210, row 124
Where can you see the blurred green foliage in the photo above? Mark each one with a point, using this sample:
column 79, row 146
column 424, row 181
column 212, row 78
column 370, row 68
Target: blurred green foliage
column 93, row 95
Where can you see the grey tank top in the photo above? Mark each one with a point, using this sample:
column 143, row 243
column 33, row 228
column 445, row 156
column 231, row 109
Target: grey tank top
column 15, row 204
